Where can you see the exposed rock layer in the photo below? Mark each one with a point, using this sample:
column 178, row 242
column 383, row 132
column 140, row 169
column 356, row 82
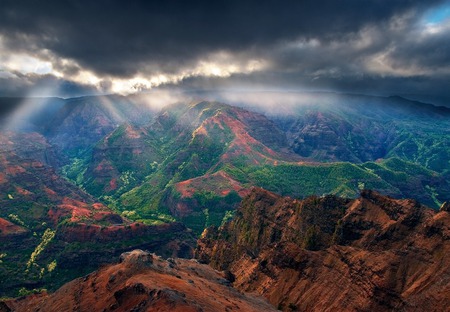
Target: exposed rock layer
column 145, row 282
column 329, row 254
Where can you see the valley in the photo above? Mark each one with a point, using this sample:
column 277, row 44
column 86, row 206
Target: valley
column 219, row 156
column 95, row 177
column 317, row 254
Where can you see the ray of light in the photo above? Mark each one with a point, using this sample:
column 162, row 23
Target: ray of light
column 112, row 109
column 20, row 119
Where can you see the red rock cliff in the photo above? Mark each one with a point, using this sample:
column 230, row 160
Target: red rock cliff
column 329, row 254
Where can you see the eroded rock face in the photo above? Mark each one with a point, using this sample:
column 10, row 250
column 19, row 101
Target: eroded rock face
column 330, row 254
column 145, row 282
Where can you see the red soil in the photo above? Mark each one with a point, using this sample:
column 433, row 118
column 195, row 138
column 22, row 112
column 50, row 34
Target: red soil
column 14, row 170
column 98, row 206
column 219, row 182
column 8, row 228
column 132, row 133
column 112, row 185
column 104, row 165
column 23, row 191
column 145, row 282
column 3, row 178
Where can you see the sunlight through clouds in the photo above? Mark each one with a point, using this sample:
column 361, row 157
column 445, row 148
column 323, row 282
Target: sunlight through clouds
column 365, row 43
column 33, row 103
column 24, row 64
column 218, row 64
column 223, row 67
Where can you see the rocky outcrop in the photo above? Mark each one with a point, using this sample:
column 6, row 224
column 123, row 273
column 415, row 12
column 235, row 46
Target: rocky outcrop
column 373, row 253
column 145, row 282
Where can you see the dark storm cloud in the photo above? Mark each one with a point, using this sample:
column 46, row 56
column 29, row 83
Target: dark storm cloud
column 18, row 85
column 373, row 46
column 123, row 38
column 431, row 51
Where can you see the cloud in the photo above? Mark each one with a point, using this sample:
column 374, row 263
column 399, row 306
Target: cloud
column 425, row 51
column 17, row 84
column 116, row 46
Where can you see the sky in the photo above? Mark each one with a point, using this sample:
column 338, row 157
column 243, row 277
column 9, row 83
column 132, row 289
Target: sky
column 73, row 48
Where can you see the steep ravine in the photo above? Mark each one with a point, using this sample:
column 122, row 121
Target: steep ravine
column 330, row 254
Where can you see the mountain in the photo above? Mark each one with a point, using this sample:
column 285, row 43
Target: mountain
column 194, row 161
column 373, row 253
column 125, row 174
column 211, row 152
column 118, row 162
column 357, row 128
column 52, row 231
column 82, row 122
column 144, row 282
column 27, row 113
column 198, row 140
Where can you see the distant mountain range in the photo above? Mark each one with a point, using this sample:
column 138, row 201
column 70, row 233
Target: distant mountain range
column 85, row 179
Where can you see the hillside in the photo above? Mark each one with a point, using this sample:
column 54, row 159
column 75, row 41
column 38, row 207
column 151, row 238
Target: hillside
column 121, row 168
column 361, row 128
column 51, row 231
column 372, row 253
column 144, row 282
column 234, row 149
column 82, row 122
column 158, row 170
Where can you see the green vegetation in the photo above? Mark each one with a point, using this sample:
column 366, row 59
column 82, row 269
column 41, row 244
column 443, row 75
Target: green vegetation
column 185, row 166
column 15, row 219
column 76, row 170
column 51, row 266
column 425, row 145
column 189, row 147
column 45, row 240
column 229, row 214
column 303, row 180
column 311, row 238
column 25, row 292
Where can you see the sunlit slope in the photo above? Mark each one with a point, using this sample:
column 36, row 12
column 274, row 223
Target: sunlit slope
column 215, row 153
column 52, row 231
column 194, row 160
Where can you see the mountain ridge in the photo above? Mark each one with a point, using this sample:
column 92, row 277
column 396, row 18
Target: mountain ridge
column 145, row 282
column 365, row 254
column 192, row 163
column 372, row 253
